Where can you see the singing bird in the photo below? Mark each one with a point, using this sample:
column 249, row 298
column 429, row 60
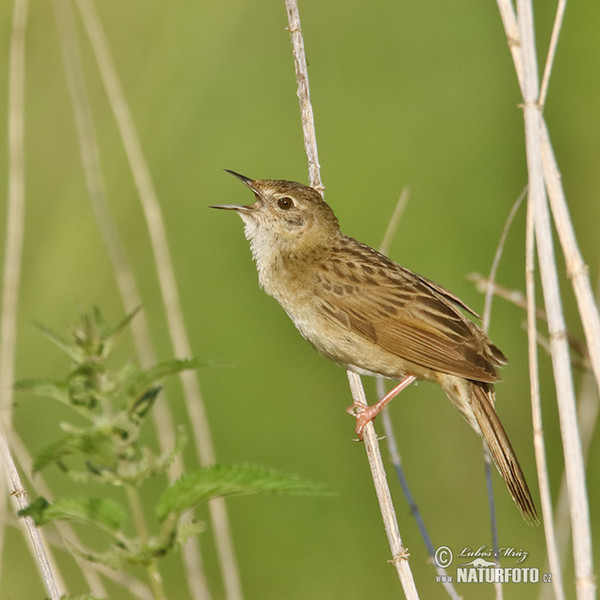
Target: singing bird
column 369, row 314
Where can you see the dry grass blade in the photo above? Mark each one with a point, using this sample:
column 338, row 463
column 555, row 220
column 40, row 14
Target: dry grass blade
column 303, row 90
column 522, row 42
column 399, row 553
column 560, row 14
column 15, row 225
column 21, row 499
column 536, row 411
column 400, row 557
column 171, row 301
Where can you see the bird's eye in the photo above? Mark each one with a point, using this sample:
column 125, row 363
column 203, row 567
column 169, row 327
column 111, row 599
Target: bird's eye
column 285, row 203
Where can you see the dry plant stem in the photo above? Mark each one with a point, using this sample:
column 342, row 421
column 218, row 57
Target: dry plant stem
column 15, row 227
column 580, row 520
column 63, row 528
column 412, row 505
column 399, row 552
column 390, row 231
column 172, row 306
column 576, row 266
column 303, row 90
column 487, row 313
column 536, row 414
column 390, row 435
column 587, row 416
column 560, row 13
column 400, row 557
column 517, row 298
column 489, row 292
column 123, row 272
column 19, row 494
column 154, row 577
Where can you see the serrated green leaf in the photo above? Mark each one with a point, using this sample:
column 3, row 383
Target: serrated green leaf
column 119, row 327
column 148, row 378
column 72, row 351
column 226, row 480
column 110, row 335
column 97, row 511
column 96, row 444
column 58, row 390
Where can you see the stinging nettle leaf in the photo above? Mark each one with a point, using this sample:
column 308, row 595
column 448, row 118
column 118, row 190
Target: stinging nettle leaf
column 226, row 480
column 68, row 348
column 95, row 443
column 97, row 511
column 150, row 377
column 58, row 390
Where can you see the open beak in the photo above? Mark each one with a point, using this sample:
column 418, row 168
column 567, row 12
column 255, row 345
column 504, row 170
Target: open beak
column 240, row 208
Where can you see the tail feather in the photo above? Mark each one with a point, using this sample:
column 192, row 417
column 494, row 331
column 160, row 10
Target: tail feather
column 475, row 401
column 503, row 455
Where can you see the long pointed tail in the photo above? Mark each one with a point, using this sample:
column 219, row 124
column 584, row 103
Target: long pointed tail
column 482, row 404
column 475, row 401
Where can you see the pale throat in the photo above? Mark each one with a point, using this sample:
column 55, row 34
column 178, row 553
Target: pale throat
column 265, row 246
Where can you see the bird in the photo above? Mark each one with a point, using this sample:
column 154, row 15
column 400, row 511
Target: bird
column 372, row 316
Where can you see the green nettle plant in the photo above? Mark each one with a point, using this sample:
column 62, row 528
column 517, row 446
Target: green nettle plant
column 106, row 450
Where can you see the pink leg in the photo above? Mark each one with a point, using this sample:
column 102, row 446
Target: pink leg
column 368, row 413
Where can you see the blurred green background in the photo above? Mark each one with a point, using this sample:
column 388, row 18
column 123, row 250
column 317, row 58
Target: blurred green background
column 405, row 94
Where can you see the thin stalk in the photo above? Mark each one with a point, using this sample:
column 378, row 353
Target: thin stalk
column 394, row 221
column 172, row 305
column 303, row 91
column 63, row 528
column 124, row 275
column 580, row 518
column 536, row 414
column 399, row 554
column 19, row 495
column 487, row 315
column 577, row 270
column 558, row 20
column 489, row 292
column 390, row 437
column 141, row 528
column 15, row 228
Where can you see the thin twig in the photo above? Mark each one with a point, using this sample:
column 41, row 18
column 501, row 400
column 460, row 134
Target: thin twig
column 390, row 438
column 577, row 270
column 125, row 278
column 303, row 91
column 63, row 527
column 489, row 294
column 19, row 495
column 15, row 227
column 390, row 435
column 580, row 518
column 588, row 410
column 516, row 297
column 170, row 295
column 536, row 413
column 392, row 226
column 487, row 314
column 558, row 20
column 399, row 554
